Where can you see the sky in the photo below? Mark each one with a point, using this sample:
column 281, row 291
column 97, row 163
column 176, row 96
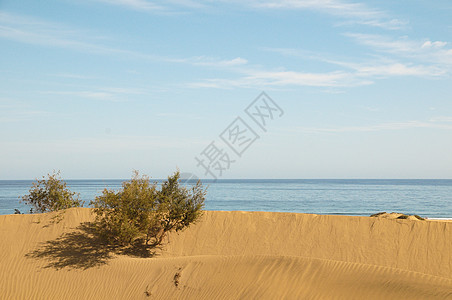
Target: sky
column 99, row 88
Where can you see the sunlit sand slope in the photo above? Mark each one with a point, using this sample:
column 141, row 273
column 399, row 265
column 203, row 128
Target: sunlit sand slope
column 231, row 255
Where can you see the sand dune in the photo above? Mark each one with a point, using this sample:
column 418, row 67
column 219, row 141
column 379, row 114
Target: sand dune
column 231, row 255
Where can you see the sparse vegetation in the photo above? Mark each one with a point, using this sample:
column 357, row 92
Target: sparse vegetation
column 141, row 213
column 51, row 194
column 378, row 214
column 402, row 217
column 398, row 216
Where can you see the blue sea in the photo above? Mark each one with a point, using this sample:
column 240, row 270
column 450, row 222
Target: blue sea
column 428, row 198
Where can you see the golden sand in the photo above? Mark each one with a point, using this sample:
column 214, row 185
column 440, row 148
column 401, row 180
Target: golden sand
column 231, row 255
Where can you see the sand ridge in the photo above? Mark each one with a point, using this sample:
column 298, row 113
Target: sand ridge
column 232, row 255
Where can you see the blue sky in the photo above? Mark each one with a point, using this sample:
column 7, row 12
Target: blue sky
column 97, row 88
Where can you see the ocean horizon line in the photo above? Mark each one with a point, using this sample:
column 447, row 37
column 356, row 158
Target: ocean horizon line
column 427, row 197
column 253, row 179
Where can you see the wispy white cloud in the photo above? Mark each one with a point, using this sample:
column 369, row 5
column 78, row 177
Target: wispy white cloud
column 20, row 116
column 427, row 51
column 178, row 115
column 113, row 94
column 34, row 31
column 392, row 68
column 387, row 126
column 141, row 5
column 355, row 12
column 350, row 73
column 108, row 144
column 208, row 61
column 97, row 95
column 392, row 58
column 16, row 111
column 73, row 76
column 391, row 24
column 260, row 78
column 352, row 12
column 437, row 44
column 345, row 74
column 281, row 78
column 29, row 30
column 156, row 6
column 386, row 43
column 377, row 67
column 441, row 119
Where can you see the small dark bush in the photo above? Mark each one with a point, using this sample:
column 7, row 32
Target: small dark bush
column 403, row 217
column 51, row 194
column 378, row 214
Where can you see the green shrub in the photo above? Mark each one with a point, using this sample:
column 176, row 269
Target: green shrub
column 142, row 212
column 51, row 194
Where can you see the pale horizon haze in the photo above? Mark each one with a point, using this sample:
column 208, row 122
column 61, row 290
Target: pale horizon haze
column 98, row 88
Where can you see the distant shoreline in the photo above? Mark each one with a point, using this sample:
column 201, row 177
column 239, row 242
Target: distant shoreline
column 429, row 198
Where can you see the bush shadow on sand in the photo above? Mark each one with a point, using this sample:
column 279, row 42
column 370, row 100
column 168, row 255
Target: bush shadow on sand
column 85, row 248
